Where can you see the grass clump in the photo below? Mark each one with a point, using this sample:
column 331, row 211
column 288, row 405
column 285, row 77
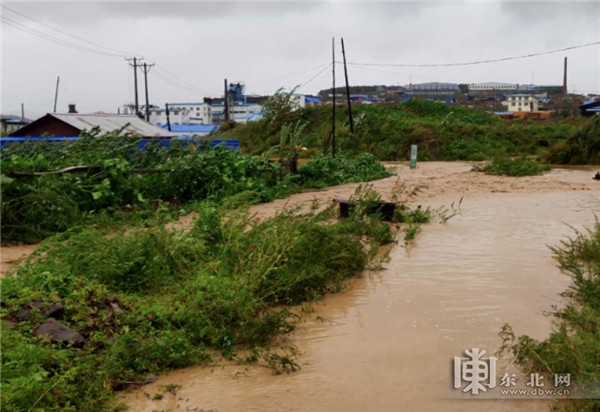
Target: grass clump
column 147, row 300
column 325, row 170
column 521, row 166
column 574, row 346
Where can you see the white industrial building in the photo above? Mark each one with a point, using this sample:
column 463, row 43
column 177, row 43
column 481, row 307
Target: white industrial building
column 492, row 86
column 432, row 88
column 183, row 113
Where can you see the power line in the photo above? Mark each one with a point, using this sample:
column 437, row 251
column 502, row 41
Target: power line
column 315, row 76
column 177, row 83
column 54, row 39
column 63, row 42
column 123, row 53
column 283, row 76
column 174, row 76
column 477, row 61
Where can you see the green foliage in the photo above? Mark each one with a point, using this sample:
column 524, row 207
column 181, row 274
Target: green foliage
column 522, row 166
column 582, row 147
column 148, row 299
column 34, row 208
column 325, row 170
column 289, row 140
column 574, row 346
column 442, row 132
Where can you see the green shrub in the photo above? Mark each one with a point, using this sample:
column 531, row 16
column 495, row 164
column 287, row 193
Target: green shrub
column 148, row 299
column 574, row 346
column 522, row 166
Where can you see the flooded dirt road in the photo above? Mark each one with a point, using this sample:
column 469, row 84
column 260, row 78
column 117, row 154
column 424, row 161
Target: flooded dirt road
column 387, row 344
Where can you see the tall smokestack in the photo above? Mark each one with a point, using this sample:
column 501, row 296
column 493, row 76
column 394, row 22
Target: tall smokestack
column 564, row 90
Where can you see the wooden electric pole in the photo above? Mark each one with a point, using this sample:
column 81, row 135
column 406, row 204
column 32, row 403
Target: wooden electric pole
column 168, row 119
column 333, row 105
column 347, row 90
column 56, row 93
column 146, row 69
column 564, row 88
column 135, row 87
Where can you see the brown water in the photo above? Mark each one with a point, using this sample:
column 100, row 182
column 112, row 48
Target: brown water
column 387, row 344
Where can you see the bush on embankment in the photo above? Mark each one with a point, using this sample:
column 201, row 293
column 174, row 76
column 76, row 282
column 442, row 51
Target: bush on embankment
column 34, row 207
column 582, row 147
column 441, row 131
column 149, row 300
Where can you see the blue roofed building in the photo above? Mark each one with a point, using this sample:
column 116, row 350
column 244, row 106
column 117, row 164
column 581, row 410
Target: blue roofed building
column 10, row 123
column 189, row 130
column 312, row 101
column 590, row 108
column 360, row 98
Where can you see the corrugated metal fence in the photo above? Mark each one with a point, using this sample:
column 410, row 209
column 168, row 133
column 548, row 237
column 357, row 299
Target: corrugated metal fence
column 229, row 144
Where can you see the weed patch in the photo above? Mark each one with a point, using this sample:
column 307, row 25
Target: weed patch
column 522, row 166
column 574, row 346
column 147, row 300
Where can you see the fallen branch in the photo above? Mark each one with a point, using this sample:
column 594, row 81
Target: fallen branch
column 72, row 169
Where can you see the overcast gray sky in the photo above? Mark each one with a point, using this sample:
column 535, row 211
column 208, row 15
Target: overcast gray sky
column 267, row 45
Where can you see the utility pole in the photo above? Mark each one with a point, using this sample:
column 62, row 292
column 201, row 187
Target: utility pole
column 56, row 93
column 347, row 89
column 146, row 69
column 333, row 105
column 168, row 119
column 135, row 88
column 564, row 89
column 226, row 102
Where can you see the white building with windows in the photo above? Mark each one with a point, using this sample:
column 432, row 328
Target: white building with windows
column 183, row 113
column 492, row 87
column 432, row 88
column 522, row 103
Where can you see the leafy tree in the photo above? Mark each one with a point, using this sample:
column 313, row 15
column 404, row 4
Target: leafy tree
column 278, row 109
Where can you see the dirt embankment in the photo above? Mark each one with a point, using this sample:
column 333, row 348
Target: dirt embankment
column 435, row 182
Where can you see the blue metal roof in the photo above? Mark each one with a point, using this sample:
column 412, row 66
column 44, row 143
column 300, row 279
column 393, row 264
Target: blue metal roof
column 191, row 128
column 309, row 99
